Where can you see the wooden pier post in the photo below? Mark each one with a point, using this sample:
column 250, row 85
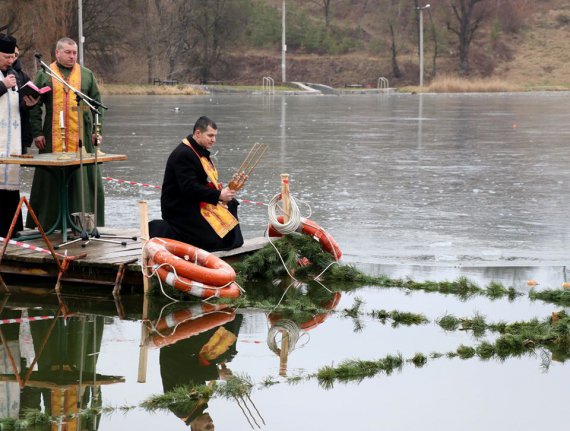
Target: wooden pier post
column 285, row 199
column 143, row 348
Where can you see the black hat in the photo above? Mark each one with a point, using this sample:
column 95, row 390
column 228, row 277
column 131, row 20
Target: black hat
column 7, row 44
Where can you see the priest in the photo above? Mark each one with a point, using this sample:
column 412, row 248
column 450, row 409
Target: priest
column 60, row 106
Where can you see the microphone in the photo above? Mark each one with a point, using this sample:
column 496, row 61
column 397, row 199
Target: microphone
column 38, row 55
column 12, row 72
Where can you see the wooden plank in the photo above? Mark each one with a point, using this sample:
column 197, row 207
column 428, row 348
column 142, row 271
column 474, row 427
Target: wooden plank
column 101, row 263
column 52, row 159
column 249, row 246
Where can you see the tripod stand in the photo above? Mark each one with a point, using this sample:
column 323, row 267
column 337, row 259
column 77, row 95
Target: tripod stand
column 93, row 105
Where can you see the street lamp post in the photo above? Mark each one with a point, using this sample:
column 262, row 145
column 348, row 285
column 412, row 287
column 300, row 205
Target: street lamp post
column 80, row 30
column 283, row 48
column 421, row 9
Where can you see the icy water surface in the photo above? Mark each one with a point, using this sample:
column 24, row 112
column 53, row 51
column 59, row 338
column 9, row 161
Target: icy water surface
column 454, row 179
column 431, row 187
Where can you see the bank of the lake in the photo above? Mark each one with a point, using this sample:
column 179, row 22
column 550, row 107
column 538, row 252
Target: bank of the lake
column 443, row 84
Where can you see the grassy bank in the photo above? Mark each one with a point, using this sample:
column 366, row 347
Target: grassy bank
column 163, row 90
column 447, row 84
column 453, row 84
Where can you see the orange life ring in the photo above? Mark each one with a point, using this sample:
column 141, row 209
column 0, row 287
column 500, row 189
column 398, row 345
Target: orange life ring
column 190, row 262
column 192, row 327
column 309, row 227
column 192, row 287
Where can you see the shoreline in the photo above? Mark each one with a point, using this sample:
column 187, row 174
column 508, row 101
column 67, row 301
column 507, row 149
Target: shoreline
column 443, row 86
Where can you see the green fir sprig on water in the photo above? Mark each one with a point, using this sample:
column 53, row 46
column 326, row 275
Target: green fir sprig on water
column 399, row 317
column 558, row 297
column 267, row 264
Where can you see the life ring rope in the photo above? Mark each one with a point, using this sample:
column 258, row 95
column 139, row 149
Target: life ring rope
column 204, row 274
column 154, row 268
column 298, row 224
column 153, row 328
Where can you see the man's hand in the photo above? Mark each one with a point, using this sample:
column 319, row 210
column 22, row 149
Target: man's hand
column 40, row 142
column 227, row 195
column 9, row 81
column 96, row 139
column 29, row 101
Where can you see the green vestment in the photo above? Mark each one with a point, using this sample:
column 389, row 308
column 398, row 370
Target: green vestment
column 44, row 197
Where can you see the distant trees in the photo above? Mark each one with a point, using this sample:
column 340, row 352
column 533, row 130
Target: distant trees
column 194, row 39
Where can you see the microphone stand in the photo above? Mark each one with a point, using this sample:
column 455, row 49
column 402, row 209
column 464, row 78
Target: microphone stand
column 91, row 103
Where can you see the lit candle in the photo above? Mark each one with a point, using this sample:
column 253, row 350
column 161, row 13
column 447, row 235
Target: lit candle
column 61, row 125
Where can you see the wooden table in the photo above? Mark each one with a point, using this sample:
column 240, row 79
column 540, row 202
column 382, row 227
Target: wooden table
column 60, row 161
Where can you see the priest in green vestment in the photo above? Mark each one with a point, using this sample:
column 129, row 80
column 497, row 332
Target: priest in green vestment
column 60, row 107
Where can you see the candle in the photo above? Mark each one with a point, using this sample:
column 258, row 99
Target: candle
column 61, row 125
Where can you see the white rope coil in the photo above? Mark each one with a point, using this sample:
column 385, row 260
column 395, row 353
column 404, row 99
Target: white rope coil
column 283, row 326
column 294, row 217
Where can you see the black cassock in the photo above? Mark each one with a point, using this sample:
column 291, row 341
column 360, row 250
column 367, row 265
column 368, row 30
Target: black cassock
column 183, row 188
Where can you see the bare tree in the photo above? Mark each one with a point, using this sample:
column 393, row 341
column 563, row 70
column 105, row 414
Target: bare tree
column 435, row 44
column 216, row 24
column 103, row 29
column 395, row 69
column 326, row 5
column 38, row 31
column 469, row 14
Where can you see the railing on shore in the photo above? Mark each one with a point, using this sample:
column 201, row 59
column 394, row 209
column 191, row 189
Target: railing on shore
column 383, row 83
column 268, row 85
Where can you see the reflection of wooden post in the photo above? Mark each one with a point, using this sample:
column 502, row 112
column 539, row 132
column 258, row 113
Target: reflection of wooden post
column 286, row 201
column 143, row 350
column 284, row 353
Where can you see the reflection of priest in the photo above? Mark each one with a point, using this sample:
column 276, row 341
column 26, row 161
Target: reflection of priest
column 10, row 391
column 195, row 361
column 69, row 355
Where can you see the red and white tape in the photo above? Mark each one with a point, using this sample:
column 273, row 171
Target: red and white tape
column 28, row 246
column 24, row 319
column 133, row 183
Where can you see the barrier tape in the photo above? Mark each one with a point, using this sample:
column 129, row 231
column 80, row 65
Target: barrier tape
column 133, row 183
column 29, row 246
column 24, row 319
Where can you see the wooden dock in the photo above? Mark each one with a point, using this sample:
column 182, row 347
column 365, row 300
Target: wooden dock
column 95, row 263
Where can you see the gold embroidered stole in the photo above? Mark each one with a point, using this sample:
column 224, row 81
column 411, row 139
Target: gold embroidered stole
column 217, row 216
column 64, row 101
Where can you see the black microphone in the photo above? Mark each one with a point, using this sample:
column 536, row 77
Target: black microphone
column 38, row 55
column 12, row 72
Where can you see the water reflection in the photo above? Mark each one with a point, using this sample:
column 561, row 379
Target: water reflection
column 199, row 355
column 87, row 349
column 48, row 364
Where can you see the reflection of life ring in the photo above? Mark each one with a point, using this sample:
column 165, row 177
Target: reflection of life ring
column 186, row 267
column 193, row 311
column 309, row 227
column 317, row 319
column 190, row 327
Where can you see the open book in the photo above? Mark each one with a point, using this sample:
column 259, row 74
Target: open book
column 29, row 89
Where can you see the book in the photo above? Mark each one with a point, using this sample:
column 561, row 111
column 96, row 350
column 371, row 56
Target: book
column 30, row 89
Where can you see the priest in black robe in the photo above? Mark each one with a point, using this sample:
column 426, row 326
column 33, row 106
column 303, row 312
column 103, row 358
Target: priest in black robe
column 196, row 208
